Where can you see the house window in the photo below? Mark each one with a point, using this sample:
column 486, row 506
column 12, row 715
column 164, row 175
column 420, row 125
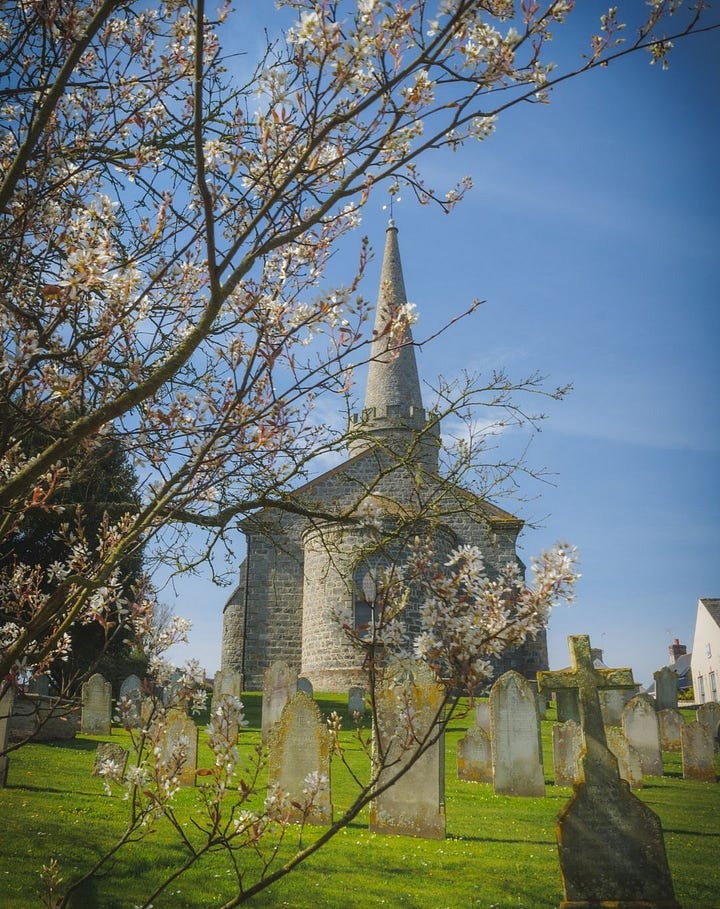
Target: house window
column 708, row 651
column 713, row 687
column 701, row 689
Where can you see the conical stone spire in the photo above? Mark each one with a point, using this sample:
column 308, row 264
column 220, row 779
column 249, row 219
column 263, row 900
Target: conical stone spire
column 393, row 416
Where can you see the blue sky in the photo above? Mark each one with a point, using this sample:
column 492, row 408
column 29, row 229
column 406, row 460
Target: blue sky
column 593, row 234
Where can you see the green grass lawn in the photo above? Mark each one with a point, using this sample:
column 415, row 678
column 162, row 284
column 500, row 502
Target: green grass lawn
column 499, row 852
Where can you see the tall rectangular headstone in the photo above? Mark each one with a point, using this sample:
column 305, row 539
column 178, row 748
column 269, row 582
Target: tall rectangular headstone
column 6, row 708
column 177, row 745
column 708, row 715
column 356, row 703
column 611, row 846
column 641, row 728
column 567, row 705
column 516, row 747
column 629, row 766
column 698, row 759
column 299, row 763
column 407, row 705
column 666, row 695
column 96, row 712
column 567, row 751
column 482, row 716
column 279, row 685
column 474, row 757
column 670, row 723
column 131, row 696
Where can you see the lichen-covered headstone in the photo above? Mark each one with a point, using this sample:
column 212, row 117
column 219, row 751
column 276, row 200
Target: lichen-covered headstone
column 666, row 696
column 407, row 706
column 116, row 754
column 670, row 723
column 515, row 736
column 567, row 750
column 299, row 764
column 177, row 746
column 228, row 683
column 96, row 712
column 708, row 715
column 567, row 706
column 304, row 685
column 611, row 846
column 612, row 704
column 279, row 685
column 629, row 766
column 474, row 756
column 641, row 728
column 698, row 757
column 6, row 708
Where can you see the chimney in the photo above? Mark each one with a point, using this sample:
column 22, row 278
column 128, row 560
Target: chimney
column 676, row 650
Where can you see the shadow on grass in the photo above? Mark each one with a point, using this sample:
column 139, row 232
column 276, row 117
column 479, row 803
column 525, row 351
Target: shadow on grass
column 702, row 833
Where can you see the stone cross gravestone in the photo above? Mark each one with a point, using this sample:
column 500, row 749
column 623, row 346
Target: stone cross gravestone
column 6, row 708
column 408, row 704
column 641, row 728
column 698, row 758
column 515, row 737
column 474, row 756
column 96, row 712
column 279, row 685
column 299, row 763
column 177, row 745
column 567, row 749
column 611, row 846
column 666, row 696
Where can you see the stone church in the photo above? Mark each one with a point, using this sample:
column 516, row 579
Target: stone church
column 301, row 571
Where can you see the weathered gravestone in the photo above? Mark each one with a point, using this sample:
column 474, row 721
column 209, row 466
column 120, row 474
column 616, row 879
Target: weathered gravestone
column 670, row 723
column 39, row 684
column 226, row 684
column 629, row 766
column 666, row 697
column 708, row 715
column 567, row 750
column 110, row 753
column 698, row 758
column 96, row 711
column 407, row 704
column 299, row 763
column 304, row 685
column 516, row 745
column 641, row 728
column 131, row 694
column 482, row 716
column 474, row 756
column 612, row 704
column 6, row 708
column 611, row 846
column 177, row 746
column 566, row 702
column 279, row 685
column 356, row 702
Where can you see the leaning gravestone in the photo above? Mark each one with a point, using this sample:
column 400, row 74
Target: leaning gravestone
column 611, row 846
column 279, row 685
column 299, row 763
column 177, row 746
column 96, row 712
column 698, row 758
column 516, row 746
column 407, row 705
column 666, row 697
column 6, row 709
column 474, row 757
column 567, row 751
column 670, row 723
column 641, row 728
column 115, row 754
column 708, row 715
column 356, row 702
column 629, row 766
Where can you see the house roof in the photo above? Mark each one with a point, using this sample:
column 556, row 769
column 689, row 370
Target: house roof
column 713, row 607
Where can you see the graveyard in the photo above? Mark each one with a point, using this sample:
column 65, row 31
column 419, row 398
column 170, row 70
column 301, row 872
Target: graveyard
column 498, row 851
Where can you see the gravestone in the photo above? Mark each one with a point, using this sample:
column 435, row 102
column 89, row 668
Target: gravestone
column 40, row 685
column 566, row 701
column 708, row 715
column 670, row 723
column 96, row 712
column 641, row 728
column 516, row 746
column 474, row 756
column 666, row 696
column 611, row 846
column 227, row 682
column 567, row 750
column 698, row 758
column 279, row 685
column 612, row 704
column 177, row 745
column 131, row 689
column 407, row 704
column 109, row 751
column 304, row 685
column 6, row 709
column 629, row 766
column 356, row 702
column 299, row 763
column 482, row 716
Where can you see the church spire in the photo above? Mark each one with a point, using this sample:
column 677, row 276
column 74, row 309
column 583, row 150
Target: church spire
column 393, row 414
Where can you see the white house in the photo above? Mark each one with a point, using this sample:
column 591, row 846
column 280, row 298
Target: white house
column 706, row 651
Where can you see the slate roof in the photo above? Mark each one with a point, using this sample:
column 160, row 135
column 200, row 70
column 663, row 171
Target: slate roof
column 713, row 607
